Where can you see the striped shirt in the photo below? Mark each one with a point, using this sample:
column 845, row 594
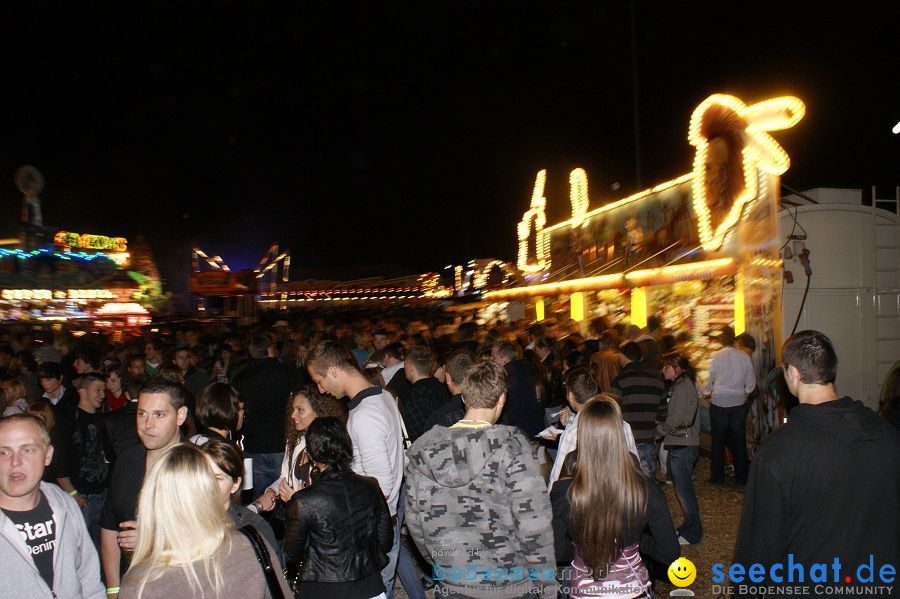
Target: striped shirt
column 641, row 393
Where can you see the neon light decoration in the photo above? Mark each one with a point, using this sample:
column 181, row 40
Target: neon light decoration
column 721, row 127
column 91, row 242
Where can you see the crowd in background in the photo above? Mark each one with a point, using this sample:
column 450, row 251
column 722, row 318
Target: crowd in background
column 350, row 451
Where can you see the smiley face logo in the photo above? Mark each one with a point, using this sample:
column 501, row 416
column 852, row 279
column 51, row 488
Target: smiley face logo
column 682, row 572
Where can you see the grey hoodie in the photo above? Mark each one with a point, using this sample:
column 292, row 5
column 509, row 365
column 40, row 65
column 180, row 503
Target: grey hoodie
column 76, row 569
column 478, row 510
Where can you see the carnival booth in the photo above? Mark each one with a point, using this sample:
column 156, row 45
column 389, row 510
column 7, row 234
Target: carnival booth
column 49, row 275
column 699, row 251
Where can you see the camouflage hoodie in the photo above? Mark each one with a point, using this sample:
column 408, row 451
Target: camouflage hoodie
column 478, row 510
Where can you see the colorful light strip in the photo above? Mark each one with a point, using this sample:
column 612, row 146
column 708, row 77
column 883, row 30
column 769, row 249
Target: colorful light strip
column 23, row 255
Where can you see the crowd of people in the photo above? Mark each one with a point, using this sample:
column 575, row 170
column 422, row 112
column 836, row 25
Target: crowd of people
column 316, row 458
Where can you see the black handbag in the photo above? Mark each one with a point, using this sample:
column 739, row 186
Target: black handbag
column 262, row 556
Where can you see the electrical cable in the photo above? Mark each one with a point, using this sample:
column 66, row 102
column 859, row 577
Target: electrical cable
column 802, row 303
column 804, row 260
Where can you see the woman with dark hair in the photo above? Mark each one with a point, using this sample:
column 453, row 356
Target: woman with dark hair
column 340, row 527
column 228, row 465
column 681, row 433
column 116, row 396
column 611, row 502
column 307, row 403
column 219, row 414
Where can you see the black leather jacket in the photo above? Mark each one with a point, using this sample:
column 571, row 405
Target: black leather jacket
column 340, row 527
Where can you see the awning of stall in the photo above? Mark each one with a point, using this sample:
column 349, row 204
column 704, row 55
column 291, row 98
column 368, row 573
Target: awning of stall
column 691, row 271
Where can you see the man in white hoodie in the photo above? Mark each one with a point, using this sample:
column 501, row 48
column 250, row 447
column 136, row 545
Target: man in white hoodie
column 45, row 548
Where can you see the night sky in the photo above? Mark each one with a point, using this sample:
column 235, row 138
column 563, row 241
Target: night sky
column 381, row 139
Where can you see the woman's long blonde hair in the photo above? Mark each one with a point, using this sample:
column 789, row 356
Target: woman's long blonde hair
column 181, row 520
column 609, row 492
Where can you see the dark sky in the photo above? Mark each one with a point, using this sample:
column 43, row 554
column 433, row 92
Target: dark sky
column 408, row 135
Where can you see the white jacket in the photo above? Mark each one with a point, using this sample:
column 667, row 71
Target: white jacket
column 288, row 466
column 374, row 427
column 76, row 568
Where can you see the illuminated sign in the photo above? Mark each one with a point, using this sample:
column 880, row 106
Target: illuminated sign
column 734, row 153
column 91, row 242
column 50, row 294
column 732, row 144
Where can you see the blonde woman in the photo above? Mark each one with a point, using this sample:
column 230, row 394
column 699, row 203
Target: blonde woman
column 187, row 545
column 16, row 401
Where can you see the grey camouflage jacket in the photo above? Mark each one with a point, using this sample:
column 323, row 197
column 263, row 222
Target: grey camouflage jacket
column 478, row 509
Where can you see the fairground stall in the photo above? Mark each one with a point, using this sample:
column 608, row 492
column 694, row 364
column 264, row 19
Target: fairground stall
column 699, row 251
column 64, row 276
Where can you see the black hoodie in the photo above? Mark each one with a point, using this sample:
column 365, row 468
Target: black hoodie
column 825, row 486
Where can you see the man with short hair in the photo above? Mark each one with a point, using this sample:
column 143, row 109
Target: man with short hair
column 136, row 366
column 427, row 393
column 265, row 386
column 45, row 547
column 62, row 398
column 476, row 498
column 455, row 366
column 153, row 356
column 160, row 413
column 730, row 379
column 640, row 393
column 81, row 462
column 380, row 339
column 86, row 360
column 193, row 379
column 522, row 406
column 374, row 427
column 825, row 488
column 580, row 388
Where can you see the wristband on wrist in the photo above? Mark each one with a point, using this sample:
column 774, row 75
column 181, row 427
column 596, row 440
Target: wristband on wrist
column 258, row 506
column 73, row 492
column 112, row 591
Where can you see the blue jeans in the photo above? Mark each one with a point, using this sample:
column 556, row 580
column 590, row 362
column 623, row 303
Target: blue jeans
column 406, row 569
column 266, row 470
column 647, row 456
column 729, row 429
column 390, row 570
column 92, row 513
column 681, row 466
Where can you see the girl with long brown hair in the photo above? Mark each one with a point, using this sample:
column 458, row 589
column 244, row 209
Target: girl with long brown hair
column 611, row 502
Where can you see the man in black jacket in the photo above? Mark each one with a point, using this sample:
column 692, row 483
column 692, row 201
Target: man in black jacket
column 825, row 489
column 265, row 386
column 426, row 395
column 522, row 407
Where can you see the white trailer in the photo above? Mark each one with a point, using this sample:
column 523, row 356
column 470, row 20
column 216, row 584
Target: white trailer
column 854, row 290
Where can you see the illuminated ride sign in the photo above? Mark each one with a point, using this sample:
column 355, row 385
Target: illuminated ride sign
column 87, row 241
column 693, row 215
